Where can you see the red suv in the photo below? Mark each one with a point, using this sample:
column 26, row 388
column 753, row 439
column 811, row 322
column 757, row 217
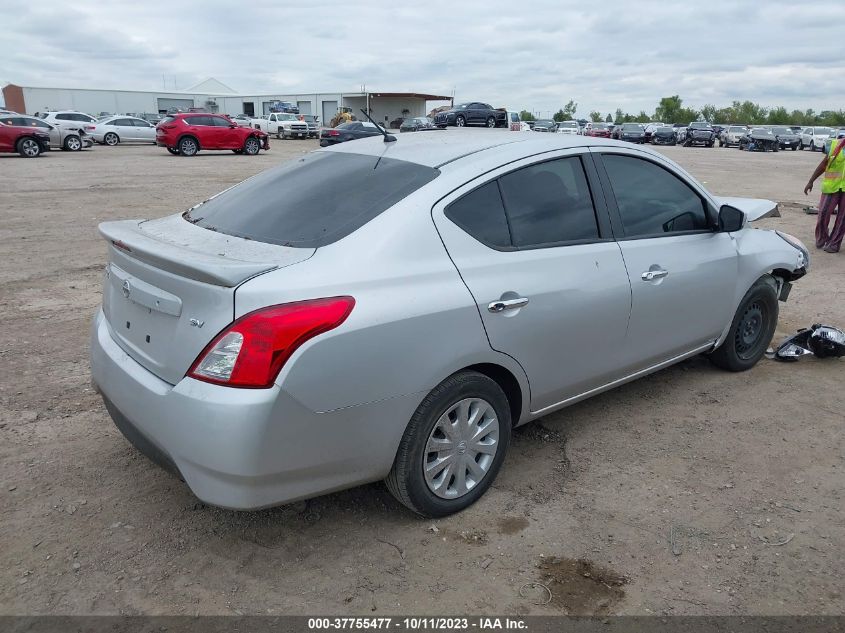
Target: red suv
column 27, row 141
column 186, row 134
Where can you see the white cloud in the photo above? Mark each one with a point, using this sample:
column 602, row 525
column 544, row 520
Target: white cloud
column 536, row 56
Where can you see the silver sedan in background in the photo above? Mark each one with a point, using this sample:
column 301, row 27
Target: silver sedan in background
column 123, row 129
column 391, row 310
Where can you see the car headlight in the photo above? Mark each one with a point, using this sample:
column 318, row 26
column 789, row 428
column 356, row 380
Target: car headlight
column 799, row 245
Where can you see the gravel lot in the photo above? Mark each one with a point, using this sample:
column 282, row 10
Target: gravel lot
column 692, row 491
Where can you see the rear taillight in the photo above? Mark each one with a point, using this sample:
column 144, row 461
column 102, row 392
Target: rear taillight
column 252, row 350
column 331, row 132
column 90, row 127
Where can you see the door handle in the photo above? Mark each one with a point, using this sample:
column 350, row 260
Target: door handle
column 507, row 304
column 651, row 275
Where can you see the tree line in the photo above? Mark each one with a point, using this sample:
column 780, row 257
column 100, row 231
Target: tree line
column 672, row 110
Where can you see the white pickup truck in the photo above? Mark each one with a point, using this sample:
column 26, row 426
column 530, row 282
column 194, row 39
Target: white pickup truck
column 282, row 124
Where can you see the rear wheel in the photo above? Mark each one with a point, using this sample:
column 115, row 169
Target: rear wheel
column 453, row 447
column 252, row 146
column 73, row 143
column 111, row 139
column 28, row 148
column 752, row 328
column 188, row 146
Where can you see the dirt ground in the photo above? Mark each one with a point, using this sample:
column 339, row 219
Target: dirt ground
column 692, row 491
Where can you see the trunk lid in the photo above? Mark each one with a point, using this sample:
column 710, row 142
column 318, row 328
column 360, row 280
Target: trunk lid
column 169, row 287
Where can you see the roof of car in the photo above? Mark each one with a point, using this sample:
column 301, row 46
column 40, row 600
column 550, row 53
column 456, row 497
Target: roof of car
column 436, row 148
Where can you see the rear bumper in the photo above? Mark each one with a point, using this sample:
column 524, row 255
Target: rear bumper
column 244, row 449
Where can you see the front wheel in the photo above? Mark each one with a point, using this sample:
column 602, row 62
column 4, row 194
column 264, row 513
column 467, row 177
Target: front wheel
column 491, row 122
column 29, row 148
column 73, row 143
column 252, row 146
column 460, row 121
column 752, row 328
column 453, row 446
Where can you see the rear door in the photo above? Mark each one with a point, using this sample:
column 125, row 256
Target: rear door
column 533, row 245
column 125, row 129
column 683, row 271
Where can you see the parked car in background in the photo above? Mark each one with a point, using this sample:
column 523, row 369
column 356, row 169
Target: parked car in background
column 396, row 123
column 282, row 125
column 731, row 134
column 680, row 132
column 348, row 132
column 186, row 134
column 568, row 127
column 472, row 113
column 699, row 133
column 242, row 120
column 631, row 132
column 27, row 141
column 515, row 124
column 663, row 135
column 484, row 258
column 598, row 129
column 649, row 128
column 837, row 134
column 416, row 124
column 70, row 119
column 70, row 139
column 787, row 139
column 544, row 125
column 759, row 139
column 313, row 123
column 123, row 129
column 813, row 138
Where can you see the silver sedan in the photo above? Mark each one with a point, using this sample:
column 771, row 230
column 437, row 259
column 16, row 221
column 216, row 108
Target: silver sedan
column 123, row 129
column 391, row 310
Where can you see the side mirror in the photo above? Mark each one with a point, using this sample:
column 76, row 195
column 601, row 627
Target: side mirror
column 730, row 219
column 233, row 125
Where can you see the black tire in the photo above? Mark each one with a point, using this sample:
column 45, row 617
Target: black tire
column 252, row 146
column 72, row 143
column 491, row 122
column 801, row 145
column 28, row 147
column 710, row 144
column 111, row 139
column 173, row 151
column 406, row 480
column 752, row 328
column 794, row 148
column 460, row 121
column 237, row 151
column 188, row 146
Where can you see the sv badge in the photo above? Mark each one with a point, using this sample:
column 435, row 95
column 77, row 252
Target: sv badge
column 196, row 323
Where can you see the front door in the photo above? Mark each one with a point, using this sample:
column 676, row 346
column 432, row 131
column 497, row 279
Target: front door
column 547, row 278
column 683, row 271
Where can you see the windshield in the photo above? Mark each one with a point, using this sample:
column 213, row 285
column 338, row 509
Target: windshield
column 781, row 130
column 738, row 129
column 461, row 106
column 568, row 124
column 761, row 130
column 313, row 201
column 632, row 127
column 544, row 123
column 700, row 125
column 821, row 131
column 600, row 126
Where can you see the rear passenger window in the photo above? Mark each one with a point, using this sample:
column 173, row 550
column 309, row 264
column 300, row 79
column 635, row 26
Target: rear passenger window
column 651, row 200
column 481, row 214
column 549, row 203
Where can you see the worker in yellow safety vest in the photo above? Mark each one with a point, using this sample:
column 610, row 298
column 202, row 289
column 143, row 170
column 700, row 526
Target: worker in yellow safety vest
column 833, row 196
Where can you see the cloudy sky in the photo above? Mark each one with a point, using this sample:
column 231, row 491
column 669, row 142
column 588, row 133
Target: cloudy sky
column 537, row 56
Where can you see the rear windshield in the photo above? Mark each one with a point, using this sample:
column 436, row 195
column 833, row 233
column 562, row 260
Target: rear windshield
column 312, row 201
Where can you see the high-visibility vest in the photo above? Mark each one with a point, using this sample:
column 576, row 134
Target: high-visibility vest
column 834, row 175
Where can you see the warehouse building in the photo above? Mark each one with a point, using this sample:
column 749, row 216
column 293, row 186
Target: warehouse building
column 215, row 96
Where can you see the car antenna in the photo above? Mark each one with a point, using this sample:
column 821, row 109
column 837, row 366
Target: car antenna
column 388, row 138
